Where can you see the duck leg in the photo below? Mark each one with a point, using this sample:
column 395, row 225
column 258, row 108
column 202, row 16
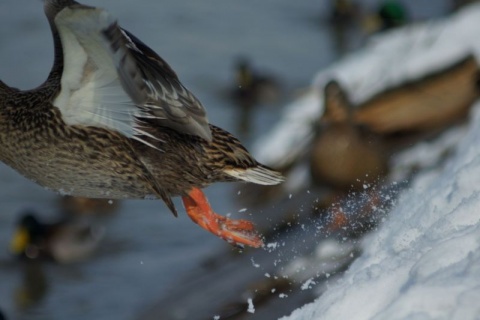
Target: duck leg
column 241, row 232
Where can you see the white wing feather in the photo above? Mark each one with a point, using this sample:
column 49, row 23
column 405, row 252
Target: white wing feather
column 112, row 80
column 91, row 92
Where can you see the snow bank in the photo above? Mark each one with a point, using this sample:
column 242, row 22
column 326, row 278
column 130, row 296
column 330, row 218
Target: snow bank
column 388, row 60
column 424, row 261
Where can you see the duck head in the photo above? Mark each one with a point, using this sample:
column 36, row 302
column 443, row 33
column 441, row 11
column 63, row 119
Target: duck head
column 27, row 239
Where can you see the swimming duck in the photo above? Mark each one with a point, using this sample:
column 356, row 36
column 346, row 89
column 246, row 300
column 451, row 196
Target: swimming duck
column 390, row 14
column 253, row 87
column 113, row 120
column 63, row 241
column 343, row 11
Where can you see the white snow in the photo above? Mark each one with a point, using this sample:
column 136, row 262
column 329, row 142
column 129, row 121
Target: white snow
column 251, row 307
column 254, row 264
column 308, row 284
column 424, row 260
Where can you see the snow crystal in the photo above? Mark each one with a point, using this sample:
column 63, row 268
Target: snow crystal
column 272, row 245
column 251, row 307
column 308, row 284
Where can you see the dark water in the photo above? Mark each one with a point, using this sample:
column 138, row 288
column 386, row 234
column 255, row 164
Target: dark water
column 146, row 249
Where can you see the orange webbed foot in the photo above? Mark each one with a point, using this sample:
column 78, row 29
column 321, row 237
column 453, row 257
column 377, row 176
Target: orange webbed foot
column 238, row 232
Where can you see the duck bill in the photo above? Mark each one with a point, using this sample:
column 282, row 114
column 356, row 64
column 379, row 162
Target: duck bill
column 19, row 241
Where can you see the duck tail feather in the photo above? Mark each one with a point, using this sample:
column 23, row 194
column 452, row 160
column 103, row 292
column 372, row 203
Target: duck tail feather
column 168, row 201
column 260, row 175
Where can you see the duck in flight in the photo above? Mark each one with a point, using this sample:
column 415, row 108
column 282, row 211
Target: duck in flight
column 113, row 120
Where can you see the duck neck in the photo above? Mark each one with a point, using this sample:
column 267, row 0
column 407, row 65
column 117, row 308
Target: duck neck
column 3, row 90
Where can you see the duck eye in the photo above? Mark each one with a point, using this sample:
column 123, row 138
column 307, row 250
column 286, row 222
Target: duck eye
column 31, row 252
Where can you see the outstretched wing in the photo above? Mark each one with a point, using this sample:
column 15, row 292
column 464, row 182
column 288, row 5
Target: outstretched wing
column 151, row 82
column 111, row 79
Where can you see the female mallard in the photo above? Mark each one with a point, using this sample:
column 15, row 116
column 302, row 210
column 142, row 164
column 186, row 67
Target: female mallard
column 344, row 155
column 113, row 120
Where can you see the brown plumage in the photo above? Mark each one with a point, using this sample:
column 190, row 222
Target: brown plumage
column 343, row 155
column 114, row 121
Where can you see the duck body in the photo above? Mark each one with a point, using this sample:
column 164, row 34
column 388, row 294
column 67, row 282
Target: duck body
column 75, row 160
column 95, row 162
column 113, row 120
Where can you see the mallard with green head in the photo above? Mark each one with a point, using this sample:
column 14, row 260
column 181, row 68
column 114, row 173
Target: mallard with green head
column 113, row 120
column 63, row 241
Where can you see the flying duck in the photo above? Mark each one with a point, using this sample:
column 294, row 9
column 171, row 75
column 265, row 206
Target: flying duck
column 113, row 120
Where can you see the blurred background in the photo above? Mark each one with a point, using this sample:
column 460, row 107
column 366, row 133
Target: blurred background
column 270, row 48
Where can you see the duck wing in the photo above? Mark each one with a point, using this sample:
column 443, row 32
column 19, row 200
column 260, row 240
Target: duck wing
column 111, row 79
column 151, row 82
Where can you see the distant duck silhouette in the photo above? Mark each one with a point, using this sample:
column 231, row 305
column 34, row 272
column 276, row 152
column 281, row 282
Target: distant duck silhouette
column 343, row 11
column 392, row 14
column 351, row 24
column 63, row 241
column 389, row 15
column 345, row 19
column 343, row 155
column 253, row 87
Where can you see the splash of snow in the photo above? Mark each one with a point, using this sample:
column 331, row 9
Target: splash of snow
column 308, row 284
column 251, row 307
